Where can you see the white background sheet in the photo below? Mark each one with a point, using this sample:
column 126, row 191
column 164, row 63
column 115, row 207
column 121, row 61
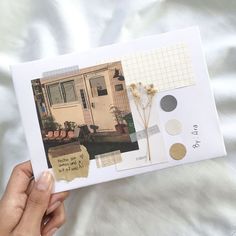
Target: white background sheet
column 195, row 199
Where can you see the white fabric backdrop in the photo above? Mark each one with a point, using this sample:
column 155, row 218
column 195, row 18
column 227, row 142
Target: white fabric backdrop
column 192, row 200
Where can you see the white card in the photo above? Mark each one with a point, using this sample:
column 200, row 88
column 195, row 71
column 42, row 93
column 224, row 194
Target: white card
column 87, row 118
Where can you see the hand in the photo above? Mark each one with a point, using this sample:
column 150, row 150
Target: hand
column 28, row 208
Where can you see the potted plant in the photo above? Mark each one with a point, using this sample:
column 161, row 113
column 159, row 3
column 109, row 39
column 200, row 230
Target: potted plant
column 118, row 116
column 48, row 124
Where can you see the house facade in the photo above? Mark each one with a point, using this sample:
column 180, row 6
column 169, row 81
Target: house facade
column 86, row 97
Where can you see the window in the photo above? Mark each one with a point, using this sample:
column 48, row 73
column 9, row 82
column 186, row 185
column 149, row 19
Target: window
column 68, row 91
column 54, row 93
column 83, row 99
column 98, row 86
column 119, row 87
column 61, row 92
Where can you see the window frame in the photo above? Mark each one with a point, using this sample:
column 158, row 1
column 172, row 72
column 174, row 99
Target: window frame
column 96, row 94
column 62, row 92
column 119, row 86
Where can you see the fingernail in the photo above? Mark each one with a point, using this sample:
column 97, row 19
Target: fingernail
column 44, row 181
column 53, row 207
column 52, row 232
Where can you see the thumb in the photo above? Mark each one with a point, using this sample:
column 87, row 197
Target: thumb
column 36, row 206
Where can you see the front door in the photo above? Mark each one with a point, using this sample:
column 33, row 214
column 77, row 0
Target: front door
column 100, row 101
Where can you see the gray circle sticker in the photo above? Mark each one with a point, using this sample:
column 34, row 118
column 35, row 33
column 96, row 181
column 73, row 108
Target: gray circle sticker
column 168, row 103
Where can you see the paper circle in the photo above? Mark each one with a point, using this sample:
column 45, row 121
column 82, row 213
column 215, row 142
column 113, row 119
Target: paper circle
column 173, row 127
column 168, row 103
column 178, row 151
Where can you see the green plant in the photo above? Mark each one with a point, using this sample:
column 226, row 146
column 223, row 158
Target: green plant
column 49, row 124
column 130, row 122
column 117, row 114
column 70, row 125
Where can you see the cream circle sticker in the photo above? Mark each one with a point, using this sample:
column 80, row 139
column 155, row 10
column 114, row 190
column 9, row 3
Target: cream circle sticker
column 173, row 127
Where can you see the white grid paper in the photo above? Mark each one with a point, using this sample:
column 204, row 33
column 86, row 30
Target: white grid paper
column 166, row 67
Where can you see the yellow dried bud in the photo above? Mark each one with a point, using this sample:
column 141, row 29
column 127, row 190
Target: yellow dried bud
column 133, row 86
column 136, row 94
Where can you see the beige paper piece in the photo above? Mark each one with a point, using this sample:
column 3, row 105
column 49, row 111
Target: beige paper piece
column 108, row 159
column 70, row 166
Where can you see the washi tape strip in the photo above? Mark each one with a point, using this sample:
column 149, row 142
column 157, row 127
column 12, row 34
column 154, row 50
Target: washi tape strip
column 63, row 72
column 108, row 159
column 142, row 133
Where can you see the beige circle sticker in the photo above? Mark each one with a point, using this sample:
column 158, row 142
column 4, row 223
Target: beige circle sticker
column 178, row 151
column 173, row 127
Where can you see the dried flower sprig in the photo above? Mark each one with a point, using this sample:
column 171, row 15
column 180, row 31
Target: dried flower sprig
column 143, row 97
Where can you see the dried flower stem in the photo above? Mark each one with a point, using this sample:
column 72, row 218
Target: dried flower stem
column 139, row 92
column 146, row 128
column 147, row 136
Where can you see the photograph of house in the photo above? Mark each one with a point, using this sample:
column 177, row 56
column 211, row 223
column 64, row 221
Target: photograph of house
column 90, row 107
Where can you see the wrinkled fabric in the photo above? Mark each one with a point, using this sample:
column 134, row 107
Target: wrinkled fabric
column 192, row 200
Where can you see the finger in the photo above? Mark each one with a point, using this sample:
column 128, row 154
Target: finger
column 56, row 221
column 56, row 200
column 36, row 205
column 14, row 199
column 30, row 186
column 20, row 178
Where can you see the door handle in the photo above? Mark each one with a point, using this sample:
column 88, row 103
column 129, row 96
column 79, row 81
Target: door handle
column 92, row 104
